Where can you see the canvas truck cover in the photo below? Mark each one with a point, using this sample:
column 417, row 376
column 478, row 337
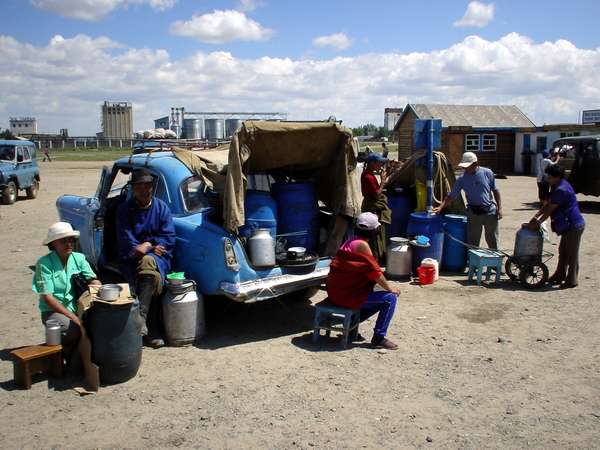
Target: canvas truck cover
column 323, row 151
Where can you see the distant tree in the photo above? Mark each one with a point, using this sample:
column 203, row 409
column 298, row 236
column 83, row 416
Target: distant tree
column 371, row 130
column 6, row 134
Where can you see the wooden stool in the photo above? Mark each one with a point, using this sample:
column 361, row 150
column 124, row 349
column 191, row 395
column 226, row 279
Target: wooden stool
column 479, row 259
column 36, row 358
column 330, row 318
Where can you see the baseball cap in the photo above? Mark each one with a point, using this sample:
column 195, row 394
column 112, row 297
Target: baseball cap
column 367, row 221
column 376, row 157
column 468, row 158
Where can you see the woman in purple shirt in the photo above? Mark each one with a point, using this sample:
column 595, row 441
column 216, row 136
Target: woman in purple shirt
column 567, row 222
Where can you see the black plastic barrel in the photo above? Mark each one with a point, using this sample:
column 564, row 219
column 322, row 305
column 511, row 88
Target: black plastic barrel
column 116, row 340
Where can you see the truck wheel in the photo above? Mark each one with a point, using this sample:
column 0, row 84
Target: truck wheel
column 9, row 195
column 32, row 191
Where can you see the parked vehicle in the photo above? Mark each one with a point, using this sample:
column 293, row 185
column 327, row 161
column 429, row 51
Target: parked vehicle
column 18, row 170
column 209, row 252
column 580, row 156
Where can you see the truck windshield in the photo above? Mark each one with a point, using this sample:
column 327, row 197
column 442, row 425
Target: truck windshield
column 192, row 190
column 7, row 152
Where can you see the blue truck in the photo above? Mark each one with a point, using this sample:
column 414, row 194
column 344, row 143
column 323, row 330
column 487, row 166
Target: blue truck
column 18, row 170
column 206, row 250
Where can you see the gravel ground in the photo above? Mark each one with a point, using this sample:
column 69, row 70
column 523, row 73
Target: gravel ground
column 478, row 367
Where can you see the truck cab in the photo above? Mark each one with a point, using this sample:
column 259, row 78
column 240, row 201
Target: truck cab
column 18, row 170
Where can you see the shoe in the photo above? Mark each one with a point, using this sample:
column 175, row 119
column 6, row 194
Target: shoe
column 382, row 342
column 555, row 280
column 153, row 342
column 567, row 286
column 359, row 338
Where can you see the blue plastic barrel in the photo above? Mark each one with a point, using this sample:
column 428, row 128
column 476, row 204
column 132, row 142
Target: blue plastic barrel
column 297, row 211
column 260, row 210
column 429, row 225
column 402, row 206
column 455, row 254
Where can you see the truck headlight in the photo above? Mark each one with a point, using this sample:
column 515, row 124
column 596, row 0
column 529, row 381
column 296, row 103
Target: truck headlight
column 230, row 259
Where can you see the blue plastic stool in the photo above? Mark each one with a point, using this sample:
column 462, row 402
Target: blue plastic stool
column 479, row 259
column 330, row 318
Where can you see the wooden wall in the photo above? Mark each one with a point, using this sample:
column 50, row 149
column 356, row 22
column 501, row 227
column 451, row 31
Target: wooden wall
column 405, row 133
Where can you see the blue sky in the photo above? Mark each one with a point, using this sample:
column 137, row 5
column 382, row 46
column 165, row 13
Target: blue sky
column 371, row 38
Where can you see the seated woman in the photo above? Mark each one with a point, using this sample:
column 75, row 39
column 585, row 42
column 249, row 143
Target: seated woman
column 53, row 282
column 353, row 274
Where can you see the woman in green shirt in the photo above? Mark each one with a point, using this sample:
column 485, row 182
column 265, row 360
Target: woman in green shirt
column 53, row 281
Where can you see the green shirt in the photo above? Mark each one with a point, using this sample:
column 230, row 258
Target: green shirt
column 51, row 278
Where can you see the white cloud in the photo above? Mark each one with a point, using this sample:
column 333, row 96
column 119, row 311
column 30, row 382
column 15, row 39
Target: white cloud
column 221, row 26
column 337, row 41
column 478, row 15
column 92, row 10
column 64, row 82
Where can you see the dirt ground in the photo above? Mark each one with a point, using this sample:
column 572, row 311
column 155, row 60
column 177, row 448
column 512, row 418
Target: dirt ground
column 478, row 367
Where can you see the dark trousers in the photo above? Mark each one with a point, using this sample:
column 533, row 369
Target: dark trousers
column 69, row 331
column 382, row 302
column 568, row 256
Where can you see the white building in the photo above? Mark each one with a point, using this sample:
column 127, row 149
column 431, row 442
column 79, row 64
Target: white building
column 23, row 125
column 390, row 118
column 531, row 142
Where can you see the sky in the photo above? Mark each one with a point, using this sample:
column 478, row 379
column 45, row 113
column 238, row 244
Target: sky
column 310, row 59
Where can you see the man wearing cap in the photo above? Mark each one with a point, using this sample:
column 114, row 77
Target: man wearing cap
column 353, row 274
column 548, row 159
column 375, row 201
column 146, row 239
column 483, row 201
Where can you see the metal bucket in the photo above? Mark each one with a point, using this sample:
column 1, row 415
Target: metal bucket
column 183, row 313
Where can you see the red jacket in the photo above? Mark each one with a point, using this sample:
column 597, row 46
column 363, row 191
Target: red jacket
column 351, row 278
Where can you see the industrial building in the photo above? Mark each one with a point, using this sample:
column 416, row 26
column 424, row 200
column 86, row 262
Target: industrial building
column 488, row 130
column 117, row 120
column 390, row 118
column 23, row 125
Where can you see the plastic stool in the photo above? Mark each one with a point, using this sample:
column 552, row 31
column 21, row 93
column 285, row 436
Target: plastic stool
column 34, row 359
column 479, row 259
column 330, row 318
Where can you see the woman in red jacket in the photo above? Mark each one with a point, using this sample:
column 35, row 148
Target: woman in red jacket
column 353, row 274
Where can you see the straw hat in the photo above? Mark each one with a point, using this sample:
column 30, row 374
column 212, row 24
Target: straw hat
column 60, row 230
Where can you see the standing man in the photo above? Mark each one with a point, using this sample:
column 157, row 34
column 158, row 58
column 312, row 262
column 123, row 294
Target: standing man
column 547, row 160
column 384, row 150
column 146, row 239
column 375, row 201
column 483, row 201
column 46, row 154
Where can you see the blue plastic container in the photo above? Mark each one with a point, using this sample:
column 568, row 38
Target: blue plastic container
column 402, row 205
column 429, row 225
column 297, row 211
column 260, row 210
column 455, row 254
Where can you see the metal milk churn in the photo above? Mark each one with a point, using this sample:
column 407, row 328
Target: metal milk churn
column 261, row 246
column 53, row 333
column 399, row 258
column 528, row 244
column 183, row 313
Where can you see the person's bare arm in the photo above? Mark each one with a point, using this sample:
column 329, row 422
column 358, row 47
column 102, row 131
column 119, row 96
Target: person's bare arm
column 58, row 307
column 539, row 217
column 496, row 194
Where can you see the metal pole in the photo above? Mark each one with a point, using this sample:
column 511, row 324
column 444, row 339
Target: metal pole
column 430, row 166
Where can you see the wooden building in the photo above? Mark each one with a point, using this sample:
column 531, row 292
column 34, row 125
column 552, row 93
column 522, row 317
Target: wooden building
column 487, row 130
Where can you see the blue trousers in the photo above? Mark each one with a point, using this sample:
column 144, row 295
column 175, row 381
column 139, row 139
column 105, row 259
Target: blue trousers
column 382, row 302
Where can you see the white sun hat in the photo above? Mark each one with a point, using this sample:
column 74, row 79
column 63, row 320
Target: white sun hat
column 367, row 221
column 60, row 230
column 468, row 158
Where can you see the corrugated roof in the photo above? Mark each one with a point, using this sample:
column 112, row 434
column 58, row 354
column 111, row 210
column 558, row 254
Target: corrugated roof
column 476, row 116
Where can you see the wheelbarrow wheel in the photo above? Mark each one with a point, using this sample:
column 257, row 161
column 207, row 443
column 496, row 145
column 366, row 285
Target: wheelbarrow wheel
column 512, row 269
column 534, row 276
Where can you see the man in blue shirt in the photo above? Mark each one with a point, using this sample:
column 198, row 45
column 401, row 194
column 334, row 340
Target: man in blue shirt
column 146, row 240
column 484, row 208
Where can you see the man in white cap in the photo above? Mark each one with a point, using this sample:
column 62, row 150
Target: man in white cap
column 483, row 200
column 353, row 274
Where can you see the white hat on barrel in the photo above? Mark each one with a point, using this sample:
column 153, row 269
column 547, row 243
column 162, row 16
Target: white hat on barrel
column 60, row 230
column 468, row 159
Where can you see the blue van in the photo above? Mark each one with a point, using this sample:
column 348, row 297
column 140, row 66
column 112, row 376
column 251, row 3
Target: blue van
column 18, row 170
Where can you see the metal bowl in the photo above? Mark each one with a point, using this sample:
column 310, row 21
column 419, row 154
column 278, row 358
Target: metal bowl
column 109, row 292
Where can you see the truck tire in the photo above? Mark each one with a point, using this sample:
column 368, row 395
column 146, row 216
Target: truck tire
column 9, row 195
column 32, row 191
